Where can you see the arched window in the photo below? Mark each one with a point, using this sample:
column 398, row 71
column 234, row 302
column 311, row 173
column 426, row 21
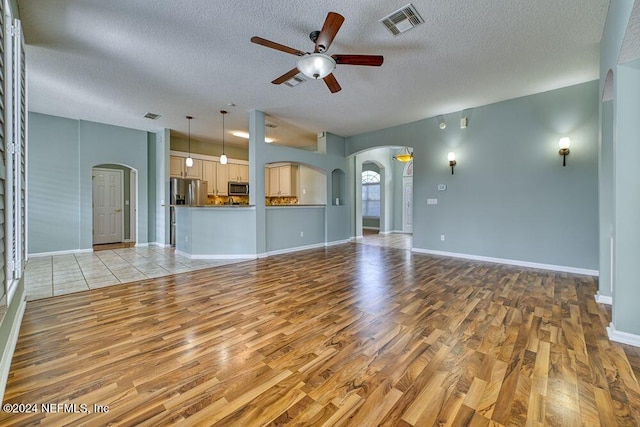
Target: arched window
column 370, row 194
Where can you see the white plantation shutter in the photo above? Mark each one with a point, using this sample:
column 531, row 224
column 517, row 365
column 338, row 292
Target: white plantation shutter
column 3, row 171
column 14, row 129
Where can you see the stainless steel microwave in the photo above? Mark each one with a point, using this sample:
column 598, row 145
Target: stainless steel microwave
column 238, row 188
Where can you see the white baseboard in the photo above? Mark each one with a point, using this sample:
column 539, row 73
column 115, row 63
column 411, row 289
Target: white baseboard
column 215, row 256
column 527, row 264
column 296, row 249
column 623, row 337
column 141, row 245
column 158, row 244
column 604, row 299
column 68, row 252
column 337, row 242
column 7, row 355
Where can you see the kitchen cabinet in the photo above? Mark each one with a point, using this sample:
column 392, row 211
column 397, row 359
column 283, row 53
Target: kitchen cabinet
column 238, row 172
column 209, row 175
column 282, row 181
column 222, row 179
column 176, row 166
column 179, row 169
column 194, row 171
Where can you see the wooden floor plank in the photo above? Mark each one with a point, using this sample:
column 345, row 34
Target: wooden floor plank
column 346, row 335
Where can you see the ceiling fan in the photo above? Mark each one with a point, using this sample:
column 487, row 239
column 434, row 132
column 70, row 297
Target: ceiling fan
column 319, row 65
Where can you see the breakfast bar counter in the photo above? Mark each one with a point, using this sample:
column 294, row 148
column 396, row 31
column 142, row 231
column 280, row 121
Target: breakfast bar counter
column 216, row 231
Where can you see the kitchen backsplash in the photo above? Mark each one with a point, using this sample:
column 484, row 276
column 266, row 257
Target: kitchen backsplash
column 277, row 201
column 225, row 200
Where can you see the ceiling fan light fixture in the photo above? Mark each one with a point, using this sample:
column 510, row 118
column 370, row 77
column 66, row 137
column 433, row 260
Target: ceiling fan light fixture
column 316, row 65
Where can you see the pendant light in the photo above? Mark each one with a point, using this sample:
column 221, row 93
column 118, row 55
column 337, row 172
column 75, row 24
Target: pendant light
column 223, row 157
column 189, row 160
column 404, row 155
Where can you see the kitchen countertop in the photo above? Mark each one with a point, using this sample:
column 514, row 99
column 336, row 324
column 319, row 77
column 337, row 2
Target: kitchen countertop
column 213, row 206
column 295, row 206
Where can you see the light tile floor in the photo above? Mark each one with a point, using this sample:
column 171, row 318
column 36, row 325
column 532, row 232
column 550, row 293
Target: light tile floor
column 63, row 274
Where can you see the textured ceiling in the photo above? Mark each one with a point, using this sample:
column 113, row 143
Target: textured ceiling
column 113, row 61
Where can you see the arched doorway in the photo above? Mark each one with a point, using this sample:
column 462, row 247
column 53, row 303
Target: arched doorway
column 114, row 204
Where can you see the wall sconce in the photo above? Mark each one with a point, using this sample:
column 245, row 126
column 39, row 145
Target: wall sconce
column 452, row 160
column 564, row 149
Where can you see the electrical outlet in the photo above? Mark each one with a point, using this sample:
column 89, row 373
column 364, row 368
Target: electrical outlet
column 442, row 237
column 302, row 234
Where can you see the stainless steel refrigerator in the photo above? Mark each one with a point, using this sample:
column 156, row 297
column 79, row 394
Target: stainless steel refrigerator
column 184, row 191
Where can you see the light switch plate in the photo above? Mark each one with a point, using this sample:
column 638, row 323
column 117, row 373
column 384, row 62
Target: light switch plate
column 442, row 187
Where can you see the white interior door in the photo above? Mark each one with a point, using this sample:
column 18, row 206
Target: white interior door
column 107, row 206
column 407, row 205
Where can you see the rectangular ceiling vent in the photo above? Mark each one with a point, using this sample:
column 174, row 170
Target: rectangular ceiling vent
column 270, row 125
column 152, row 116
column 402, row 20
column 295, row 81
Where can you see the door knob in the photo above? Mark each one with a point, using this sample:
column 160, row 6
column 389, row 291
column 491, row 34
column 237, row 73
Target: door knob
column 118, row 210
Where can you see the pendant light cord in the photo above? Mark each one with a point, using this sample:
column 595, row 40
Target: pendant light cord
column 224, row 113
column 189, row 122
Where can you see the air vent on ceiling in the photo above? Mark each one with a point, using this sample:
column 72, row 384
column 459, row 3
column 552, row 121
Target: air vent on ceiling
column 270, row 125
column 402, row 20
column 152, row 116
column 295, row 81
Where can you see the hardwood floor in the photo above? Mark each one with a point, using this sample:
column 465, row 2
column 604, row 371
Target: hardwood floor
column 354, row 335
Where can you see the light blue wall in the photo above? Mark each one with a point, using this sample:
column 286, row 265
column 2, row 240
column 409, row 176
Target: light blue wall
column 284, row 226
column 333, row 226
column 510, row 197
column 626, row 291
column 216, row 232
column 619, row 176
column 160, row 206
column 152, row 184
column 100, row 143
column 53, row 186
column 610, row 44
column 62, row 153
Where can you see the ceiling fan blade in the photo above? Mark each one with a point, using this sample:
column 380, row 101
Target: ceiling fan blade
column 371, row 60
column 332, row 83
column 332, row 24
column 276, row 46
column 286, row 76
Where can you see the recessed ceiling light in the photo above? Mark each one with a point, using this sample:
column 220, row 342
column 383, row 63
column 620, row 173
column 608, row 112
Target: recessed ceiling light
column 245, row 135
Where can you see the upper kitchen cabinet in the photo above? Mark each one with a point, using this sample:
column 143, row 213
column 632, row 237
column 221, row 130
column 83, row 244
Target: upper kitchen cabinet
column 222, row 179
column 209, row 175
column 238, row 172
column 282, row 180
column 179, row 169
